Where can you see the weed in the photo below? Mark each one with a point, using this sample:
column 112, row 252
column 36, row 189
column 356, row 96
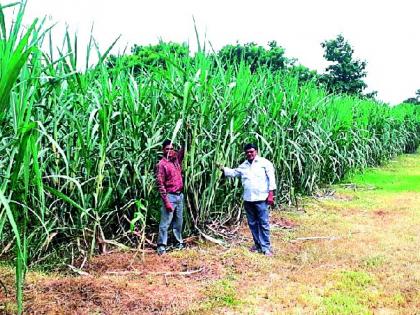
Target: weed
column 222, row 293
column 349, row 294
column 343, row 303
column 398, row 299
column 374, row 261
column 352, row 280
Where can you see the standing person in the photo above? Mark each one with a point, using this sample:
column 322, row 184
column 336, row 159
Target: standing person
column 170, row 185
column 258, row 181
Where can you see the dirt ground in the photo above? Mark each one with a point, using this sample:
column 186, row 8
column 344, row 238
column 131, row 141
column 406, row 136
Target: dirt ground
column 352, row 252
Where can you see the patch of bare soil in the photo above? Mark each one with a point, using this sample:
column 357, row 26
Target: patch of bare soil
column 384, row 217
column 136, row 282
column 121, row 283
column 380, row 213
column 282, row 223
column 179, row 282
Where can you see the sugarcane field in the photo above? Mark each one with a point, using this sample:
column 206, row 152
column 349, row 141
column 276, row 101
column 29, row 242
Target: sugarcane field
column 167, row 179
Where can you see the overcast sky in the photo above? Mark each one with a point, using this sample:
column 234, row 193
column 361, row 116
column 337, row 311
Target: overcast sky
column 384, row 33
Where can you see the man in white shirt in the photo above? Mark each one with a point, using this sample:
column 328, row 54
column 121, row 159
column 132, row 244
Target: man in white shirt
column 258, row 180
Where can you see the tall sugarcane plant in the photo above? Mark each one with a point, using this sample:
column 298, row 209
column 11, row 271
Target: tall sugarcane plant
column 15, row 90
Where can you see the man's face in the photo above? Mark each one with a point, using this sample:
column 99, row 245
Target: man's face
column 168, row 151
column 251, row 154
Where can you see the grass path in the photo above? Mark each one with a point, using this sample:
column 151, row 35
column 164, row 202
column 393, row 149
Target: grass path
column 364, row 259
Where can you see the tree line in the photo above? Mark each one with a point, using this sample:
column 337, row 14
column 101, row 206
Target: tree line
column 344, row 75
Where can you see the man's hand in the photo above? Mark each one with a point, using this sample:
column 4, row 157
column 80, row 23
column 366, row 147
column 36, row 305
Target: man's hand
column 270, row 198
column 169, row 207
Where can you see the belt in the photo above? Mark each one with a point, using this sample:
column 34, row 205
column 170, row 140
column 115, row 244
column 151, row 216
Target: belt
column 175, row 193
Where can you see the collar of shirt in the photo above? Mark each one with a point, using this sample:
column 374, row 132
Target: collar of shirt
column 256, row 159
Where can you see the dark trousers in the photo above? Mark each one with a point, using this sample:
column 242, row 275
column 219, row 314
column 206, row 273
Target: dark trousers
column 174, row 218
column 258, row 222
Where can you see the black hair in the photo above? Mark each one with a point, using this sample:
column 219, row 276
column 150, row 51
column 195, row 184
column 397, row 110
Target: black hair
column 166, row 142
column 250, row 146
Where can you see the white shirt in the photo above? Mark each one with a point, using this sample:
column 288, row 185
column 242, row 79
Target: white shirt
column 257, row 178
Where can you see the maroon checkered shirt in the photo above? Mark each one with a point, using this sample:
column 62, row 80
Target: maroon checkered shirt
column 169, row 175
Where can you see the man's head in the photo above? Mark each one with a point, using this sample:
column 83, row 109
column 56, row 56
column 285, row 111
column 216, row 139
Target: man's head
column 168, row 149
column 251, row 151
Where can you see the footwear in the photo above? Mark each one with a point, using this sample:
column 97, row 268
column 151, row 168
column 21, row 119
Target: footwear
column 161, row 250
column 255, row 249
column 180, row 246
column 268, row 253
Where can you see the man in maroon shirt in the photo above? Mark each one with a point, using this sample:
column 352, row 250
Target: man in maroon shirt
column 170, row 185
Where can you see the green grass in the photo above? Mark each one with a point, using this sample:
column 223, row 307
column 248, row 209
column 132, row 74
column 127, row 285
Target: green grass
column 344, row 304
column 390, row 182
column 374, row 261
column 220, row 294
column 391, row 179
column 349, row 294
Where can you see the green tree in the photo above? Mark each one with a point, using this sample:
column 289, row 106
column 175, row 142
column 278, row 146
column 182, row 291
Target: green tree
column 371, row 95
column 143, row 58
column 304, row 74
column 414, row 100
column 255, row 56
column 346, row 74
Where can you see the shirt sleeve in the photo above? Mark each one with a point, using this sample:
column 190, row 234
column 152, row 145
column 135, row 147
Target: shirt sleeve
column 160, row 182
column 229, row 172
column 269, row 171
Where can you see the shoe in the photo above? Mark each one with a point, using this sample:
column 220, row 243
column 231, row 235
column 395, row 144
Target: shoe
column 161, row 250
column 255, row 249
column 268, row 253
column 180, row 246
